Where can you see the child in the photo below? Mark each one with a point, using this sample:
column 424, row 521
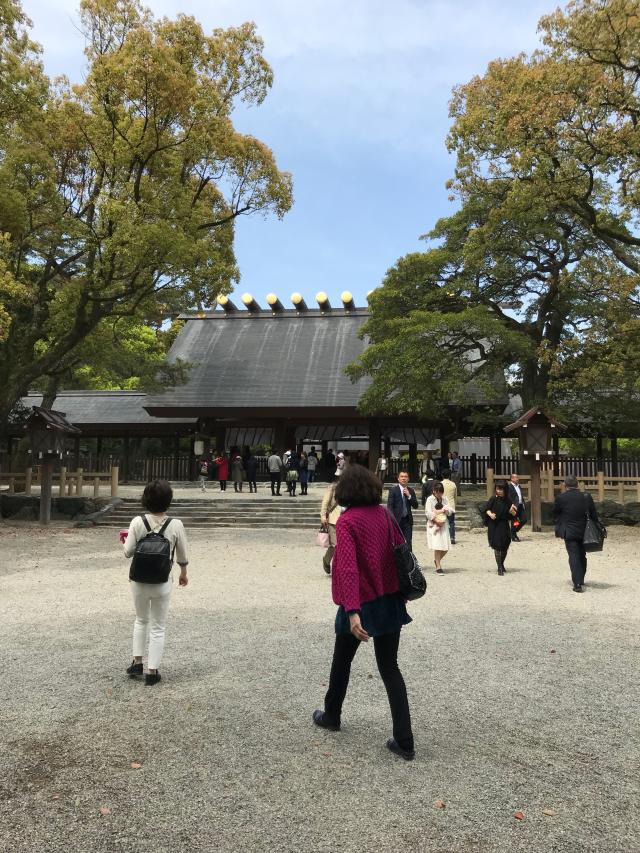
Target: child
column 439, row 519
column 151, row 600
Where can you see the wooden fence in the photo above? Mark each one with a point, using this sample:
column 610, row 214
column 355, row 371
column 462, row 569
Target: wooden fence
column 68, row 482
column 602, row 487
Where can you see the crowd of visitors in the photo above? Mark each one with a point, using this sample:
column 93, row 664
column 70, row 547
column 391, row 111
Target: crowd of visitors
column 364, row 538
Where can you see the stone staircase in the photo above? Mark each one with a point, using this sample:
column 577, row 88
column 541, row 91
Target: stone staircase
column 300, row 513
column 248, row 511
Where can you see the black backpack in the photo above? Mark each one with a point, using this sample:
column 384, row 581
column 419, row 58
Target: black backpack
column 152, row 559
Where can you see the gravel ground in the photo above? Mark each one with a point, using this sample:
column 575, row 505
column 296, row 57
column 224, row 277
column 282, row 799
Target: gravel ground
column 524, row 698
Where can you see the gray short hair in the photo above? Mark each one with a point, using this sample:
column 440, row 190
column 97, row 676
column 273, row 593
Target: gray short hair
column 571, row 481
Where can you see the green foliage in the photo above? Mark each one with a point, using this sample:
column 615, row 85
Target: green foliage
column 119, row 197
column 535, row 281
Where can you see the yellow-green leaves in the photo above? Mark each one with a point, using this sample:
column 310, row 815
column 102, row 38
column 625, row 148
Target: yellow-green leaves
column 120, row 195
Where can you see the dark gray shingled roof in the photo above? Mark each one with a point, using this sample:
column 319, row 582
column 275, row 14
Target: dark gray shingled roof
column 103, row 408
column 290, row 361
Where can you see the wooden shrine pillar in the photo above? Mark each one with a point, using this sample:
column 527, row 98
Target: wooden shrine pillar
column 497, row 438
column 279, row 438
column 599, row 453
column 555, row 444
column 444, row 448
column 289, row 437
column 125, row 459
column 535, row 495
column 492, row 451
column 220, row 435
column 614, row 456
column 413, row 462
column 176, row 457
column 374, row 444
column 46, row 483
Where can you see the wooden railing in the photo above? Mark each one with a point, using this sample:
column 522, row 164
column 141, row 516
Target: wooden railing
column 601, row 486
column 68, row 482
column 74, row 481
column 16, row 480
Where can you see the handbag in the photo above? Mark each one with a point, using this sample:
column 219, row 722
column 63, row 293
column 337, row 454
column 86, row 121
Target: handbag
column 594, row 535
column 322, row 537
column 412, row 583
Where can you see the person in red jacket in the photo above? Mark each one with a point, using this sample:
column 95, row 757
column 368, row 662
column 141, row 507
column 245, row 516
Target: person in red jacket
column 364, row 584
column 222, row 462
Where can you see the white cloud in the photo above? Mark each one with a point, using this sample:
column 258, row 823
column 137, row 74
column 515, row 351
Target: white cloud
column 368, row 72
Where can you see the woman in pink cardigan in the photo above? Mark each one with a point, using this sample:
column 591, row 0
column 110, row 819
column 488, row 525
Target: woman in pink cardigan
column 365, row 586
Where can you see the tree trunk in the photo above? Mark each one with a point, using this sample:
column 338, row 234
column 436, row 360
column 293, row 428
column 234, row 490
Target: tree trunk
column 50, row 392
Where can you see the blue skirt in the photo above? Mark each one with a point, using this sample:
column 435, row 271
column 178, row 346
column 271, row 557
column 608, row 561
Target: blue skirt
column 384, row 615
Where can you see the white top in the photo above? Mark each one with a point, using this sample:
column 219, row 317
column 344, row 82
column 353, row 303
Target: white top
column 175, row 533
column 438, row 539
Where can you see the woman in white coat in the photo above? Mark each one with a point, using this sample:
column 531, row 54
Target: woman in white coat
column 437, row 510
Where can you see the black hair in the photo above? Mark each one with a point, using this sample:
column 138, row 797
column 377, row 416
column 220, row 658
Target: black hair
column 357, row 486
column 437, row 487
column 500, row 484
column 157, row 496
column 446, row 472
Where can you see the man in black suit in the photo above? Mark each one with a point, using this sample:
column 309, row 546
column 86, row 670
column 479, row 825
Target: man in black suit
column 400, row 502
column 570, row 512
column 517, row 499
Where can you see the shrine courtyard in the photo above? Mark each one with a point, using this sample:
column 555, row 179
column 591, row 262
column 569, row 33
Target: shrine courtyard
column 524, row 699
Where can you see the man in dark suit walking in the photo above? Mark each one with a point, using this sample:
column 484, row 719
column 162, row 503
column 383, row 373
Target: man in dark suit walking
column 570, row 512
column 400, row 502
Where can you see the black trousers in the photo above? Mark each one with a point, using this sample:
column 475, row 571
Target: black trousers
column 386, row 649
column 406, row 525
column 253, row 486
column 577, row 560
column 276, row 479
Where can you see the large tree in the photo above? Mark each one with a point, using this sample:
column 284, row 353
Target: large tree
column 119, row 195
column 535, row 279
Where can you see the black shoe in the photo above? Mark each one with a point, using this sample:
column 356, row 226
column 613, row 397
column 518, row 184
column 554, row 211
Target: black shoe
column 439, row 571
column 151, row 678
column 500, row 571
column 453, row 541
column 326, row 568
column 320, row 719
column 577, row 587
column 135, row 670
column 515, row 538
column 394, row 746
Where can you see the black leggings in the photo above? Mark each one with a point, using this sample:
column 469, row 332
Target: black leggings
column 386, row 649
column 501, row 556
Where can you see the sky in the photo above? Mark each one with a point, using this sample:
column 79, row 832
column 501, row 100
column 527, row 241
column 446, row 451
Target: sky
column 358, row 113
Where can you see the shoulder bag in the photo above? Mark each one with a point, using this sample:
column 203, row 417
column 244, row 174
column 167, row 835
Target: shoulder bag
column 594, row 535
column 411, row 580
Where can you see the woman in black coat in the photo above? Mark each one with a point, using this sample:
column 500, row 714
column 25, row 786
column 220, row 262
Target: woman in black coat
column 498, row 513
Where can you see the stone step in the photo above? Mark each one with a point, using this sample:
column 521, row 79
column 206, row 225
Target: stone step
column 240, row 512
column 229, row 523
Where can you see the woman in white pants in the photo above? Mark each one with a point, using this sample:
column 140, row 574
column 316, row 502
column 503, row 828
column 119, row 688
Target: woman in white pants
column 152, row 600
